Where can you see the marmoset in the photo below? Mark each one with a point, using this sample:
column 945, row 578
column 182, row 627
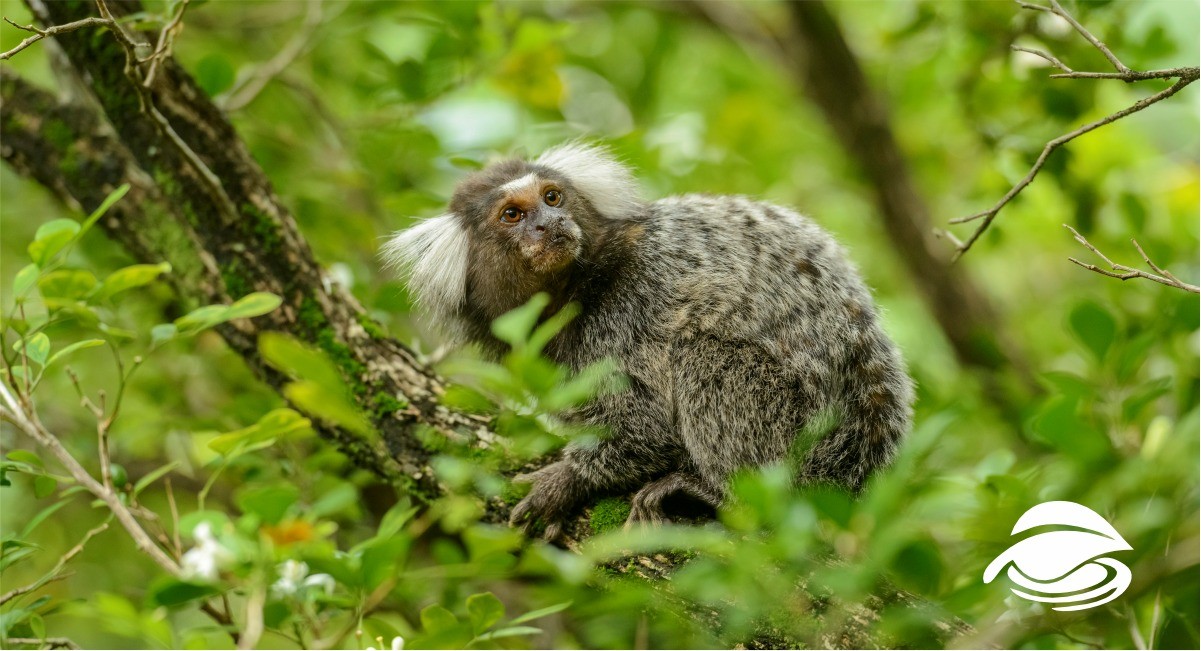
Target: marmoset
column 738, row 325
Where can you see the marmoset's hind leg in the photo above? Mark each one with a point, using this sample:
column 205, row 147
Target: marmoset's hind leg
column 647, row 505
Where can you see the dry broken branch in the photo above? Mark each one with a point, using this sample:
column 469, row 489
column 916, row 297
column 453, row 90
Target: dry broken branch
column 1184, row 76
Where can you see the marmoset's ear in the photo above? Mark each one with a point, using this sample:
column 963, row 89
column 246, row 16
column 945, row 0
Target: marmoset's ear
column 431, row 256
column 597, row 174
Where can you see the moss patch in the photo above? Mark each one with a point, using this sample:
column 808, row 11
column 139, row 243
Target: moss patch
column 265, row 230
column 384, row 405
column 372, row 327
column 608, row 514
column 236, row 284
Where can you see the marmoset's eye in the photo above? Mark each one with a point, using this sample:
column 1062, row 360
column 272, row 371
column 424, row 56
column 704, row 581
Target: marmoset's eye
column 511, row 215
column 552, row 197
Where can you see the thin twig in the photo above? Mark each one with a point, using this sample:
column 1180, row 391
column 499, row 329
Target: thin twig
column 55, row 573
column 249, row 87
column 1183, row 75
column 29, row 423
column 166, row 39
column 1132, row 75
column 989, row 215
column 174, row 516
column 1043, row 55
column 48, row 642
column 1122, row 272
column 1058, row 11
column 39, row 34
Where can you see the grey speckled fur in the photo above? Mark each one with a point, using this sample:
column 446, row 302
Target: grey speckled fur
column 738, row 323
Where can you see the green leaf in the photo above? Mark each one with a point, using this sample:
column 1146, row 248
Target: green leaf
column 551, row 327
column 1133, row 405
column 108, row 202
column 153, row 476
column 11, row 557
column 201, row 318
column 25, row 456
column 163, row 332
column 24, row 281
column 67, row 284
column 380, row 559
column 130, row 277
column 464, row 398
column 41, row 516
column 436, row 619
column 514, row 327
column 395, row 519
column 277, row 423
column 270, row 503
column 918, row 566
column 1095, row 327
column 300, row 361
column 79, row 345
column 51, row 237
column 317, row 400
column 510, row 631
column 251, row 305
column 485, row 610
column 333, row 501
column 214, row 74
column 171, row 592
column 37, row 347
column 43, row 486
column 541, row 612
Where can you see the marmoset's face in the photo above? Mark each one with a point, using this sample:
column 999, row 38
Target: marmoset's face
column 526, row 214
column 532, row 213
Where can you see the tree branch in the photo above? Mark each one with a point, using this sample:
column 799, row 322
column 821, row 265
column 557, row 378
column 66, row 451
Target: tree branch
column 1184, row 76
column 49, row 642
column 39, row 34
column 1126, row 273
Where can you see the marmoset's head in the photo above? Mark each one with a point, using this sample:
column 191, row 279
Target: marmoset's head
column 514, row 229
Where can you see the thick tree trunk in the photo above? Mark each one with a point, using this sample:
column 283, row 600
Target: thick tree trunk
column 200, row 202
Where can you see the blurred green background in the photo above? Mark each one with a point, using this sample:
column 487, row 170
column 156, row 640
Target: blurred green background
column 386, row 105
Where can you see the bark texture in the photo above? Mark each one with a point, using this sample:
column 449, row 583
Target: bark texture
column 199, row 201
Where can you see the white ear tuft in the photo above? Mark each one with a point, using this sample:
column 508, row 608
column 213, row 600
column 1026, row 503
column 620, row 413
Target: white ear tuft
column 606, row 183
column 432, row 256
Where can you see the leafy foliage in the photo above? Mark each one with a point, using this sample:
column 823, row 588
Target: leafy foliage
column 374, row 122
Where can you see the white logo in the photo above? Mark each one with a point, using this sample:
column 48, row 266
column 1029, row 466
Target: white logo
column 1064, row 566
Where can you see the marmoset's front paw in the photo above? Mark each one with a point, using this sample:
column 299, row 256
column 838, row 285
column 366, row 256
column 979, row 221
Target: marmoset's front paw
column 551, row 500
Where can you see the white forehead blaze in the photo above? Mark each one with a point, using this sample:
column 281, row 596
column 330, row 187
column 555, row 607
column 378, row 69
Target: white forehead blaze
column 431, row 256
column 596, row 174
column 516, row 185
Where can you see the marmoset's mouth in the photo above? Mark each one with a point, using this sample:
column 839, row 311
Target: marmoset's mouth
column 552, row 253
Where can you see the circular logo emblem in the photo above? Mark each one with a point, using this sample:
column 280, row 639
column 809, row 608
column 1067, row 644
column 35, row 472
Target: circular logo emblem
column 1065, row 562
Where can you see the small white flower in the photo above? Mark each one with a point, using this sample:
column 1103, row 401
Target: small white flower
column 325, row 581
column 204, row 561
column 294, row 579
column 398, row 643
column 291, row 577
